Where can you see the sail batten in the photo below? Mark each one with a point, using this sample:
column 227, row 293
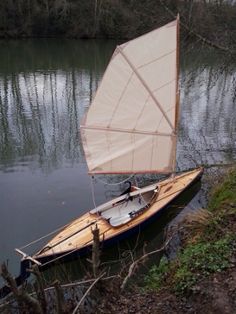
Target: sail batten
column 131, row 124
column 97, row 128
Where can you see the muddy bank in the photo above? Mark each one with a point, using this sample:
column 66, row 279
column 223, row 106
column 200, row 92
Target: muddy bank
column 202, row 278
column 215, row 294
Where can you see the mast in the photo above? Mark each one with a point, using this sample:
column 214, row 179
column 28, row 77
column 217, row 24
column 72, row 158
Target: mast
column 177, row 94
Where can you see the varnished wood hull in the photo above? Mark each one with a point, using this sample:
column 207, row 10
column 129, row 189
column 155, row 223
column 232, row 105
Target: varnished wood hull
column 81, row 241
column 48, row 260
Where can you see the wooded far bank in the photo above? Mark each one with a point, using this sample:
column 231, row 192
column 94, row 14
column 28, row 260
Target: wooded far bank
column 212, row 20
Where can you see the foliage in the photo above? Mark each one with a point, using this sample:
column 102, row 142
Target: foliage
column 210, row 252
column 155, row 279
column 115, row 18
column 194, row 263
column 200, row 260
column 225, row 192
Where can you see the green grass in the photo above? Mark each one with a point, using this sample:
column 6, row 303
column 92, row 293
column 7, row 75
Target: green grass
column 224, row 193
column 196, row 262
column 208, row 249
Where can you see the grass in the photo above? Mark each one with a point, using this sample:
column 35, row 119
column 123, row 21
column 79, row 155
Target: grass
column 224, row 193
column 210, row 244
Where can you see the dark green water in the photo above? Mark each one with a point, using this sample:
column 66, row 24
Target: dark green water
column 45, row 88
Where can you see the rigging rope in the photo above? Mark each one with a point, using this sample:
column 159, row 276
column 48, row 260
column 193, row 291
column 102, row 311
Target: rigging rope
column 95, row 206
column 117, row 183
column 106, row 183
column 92, row 191
column 61, row 228
column 43, row 237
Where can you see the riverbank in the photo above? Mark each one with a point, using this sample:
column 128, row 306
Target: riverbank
column 208, row 21
column 202, row 278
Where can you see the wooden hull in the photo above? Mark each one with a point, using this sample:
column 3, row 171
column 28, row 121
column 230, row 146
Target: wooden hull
column 76, row 238
column 164, row 200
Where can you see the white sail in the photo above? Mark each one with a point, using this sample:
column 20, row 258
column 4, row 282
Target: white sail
column 131, row 124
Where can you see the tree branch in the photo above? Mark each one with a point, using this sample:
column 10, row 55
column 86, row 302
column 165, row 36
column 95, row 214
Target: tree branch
column 135, row 263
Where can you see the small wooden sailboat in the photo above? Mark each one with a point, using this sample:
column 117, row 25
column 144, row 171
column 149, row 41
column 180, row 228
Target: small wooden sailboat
column 116, row 219
column 131, row 127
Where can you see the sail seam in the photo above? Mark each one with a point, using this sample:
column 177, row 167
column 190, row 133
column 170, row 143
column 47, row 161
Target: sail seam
column 108, row 147
column 151, row 157
column 120, row 98
column 146, row 34
column 141, row 112
column 168, row 83
column 146, row 87
column 157, row 128
column 148, row 63
column 133, row 151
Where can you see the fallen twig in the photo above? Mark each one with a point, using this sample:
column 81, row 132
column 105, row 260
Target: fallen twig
column 135, row 263
column 86, row 293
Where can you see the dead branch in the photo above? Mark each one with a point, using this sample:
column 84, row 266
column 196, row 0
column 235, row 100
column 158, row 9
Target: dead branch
column 9, row 279
column 86, row 293
column 83, row 282
column 95, row 251
column 21, row 296
column 39, row 287
column 60, row 300
column 68, row 285
column 135, row 263
column 190, row 31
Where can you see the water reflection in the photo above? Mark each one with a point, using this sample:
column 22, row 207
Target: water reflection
column 41, row 104
column 45, row 88
column 208, row 116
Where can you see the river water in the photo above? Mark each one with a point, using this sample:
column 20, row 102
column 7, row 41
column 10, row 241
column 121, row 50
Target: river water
column 45, row 88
